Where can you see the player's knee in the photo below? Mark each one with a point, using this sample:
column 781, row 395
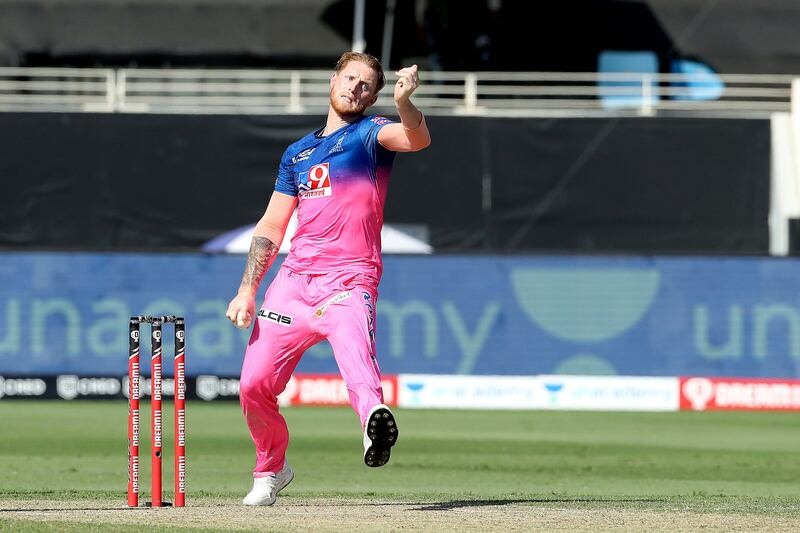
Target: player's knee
column 258, row 389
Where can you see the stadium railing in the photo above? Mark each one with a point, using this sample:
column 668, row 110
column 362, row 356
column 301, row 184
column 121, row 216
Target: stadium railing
column 57, row 89
column 528, row 94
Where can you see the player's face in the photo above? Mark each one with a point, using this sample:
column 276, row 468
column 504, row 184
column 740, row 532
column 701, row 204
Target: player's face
column 353, row 89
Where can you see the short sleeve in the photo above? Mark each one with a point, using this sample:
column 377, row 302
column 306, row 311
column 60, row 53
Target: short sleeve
column 369, row 132
column 285, row 182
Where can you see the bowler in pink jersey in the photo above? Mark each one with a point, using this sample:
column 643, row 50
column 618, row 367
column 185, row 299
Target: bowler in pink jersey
column 327, row 287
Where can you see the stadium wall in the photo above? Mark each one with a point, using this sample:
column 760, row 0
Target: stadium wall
column 113, row 182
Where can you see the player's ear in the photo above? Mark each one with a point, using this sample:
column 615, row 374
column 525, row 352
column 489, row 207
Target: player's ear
column 333, row 79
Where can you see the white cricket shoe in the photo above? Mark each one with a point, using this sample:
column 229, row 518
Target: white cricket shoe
column 265, row 489
column 380, row 434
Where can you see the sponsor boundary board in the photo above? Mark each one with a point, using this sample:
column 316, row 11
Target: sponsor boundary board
column 554, row 392
column 739, row 394
column 302, row 389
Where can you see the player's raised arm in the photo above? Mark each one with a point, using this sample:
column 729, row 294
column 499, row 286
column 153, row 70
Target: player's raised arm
column 267, row 238
column 411, row 134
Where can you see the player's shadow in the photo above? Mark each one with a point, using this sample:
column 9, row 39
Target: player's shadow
column 458, row 504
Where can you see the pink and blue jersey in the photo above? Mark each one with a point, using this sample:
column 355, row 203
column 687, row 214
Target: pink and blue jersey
column 341, row 182
column 327, row 286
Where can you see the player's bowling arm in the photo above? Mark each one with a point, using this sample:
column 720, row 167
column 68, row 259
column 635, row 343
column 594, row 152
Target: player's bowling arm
column 409, row 135
column 267, row 238
column 276, row 218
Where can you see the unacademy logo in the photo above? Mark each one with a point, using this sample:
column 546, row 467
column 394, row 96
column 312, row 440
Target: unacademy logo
column 415, row 389
column 586, row 305
column 553, row 389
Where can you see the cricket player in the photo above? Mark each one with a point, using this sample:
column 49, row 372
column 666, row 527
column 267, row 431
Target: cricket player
column 337, row 178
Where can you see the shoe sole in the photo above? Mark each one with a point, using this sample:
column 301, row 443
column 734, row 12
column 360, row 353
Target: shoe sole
column 382, row 432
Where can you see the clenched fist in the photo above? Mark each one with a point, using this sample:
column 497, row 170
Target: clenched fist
column 407, row 83
column 241, row 310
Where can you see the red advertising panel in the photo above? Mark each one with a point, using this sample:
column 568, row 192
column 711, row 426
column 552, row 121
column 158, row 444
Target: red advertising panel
column 735, row 394
column 328, row 389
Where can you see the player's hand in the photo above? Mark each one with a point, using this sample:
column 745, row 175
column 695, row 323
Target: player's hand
column 407, row 83
column 241, row 310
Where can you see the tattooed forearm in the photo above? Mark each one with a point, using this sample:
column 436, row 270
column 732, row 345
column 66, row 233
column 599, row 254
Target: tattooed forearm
column 259, row 259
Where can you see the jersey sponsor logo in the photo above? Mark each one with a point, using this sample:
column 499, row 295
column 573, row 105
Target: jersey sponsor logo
column 302, row 156
column 368, row 303
column 338, row 146
column 278, row 318
column 316, row 182
column 334, row 300
column 380, row 121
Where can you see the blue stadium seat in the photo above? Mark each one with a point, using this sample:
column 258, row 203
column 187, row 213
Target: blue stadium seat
column 704, row 83
column 623, row 94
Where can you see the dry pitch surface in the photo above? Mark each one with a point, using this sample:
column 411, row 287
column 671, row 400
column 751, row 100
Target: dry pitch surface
column 317, row 514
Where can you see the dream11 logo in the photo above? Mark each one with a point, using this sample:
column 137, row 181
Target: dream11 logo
column 699, row 392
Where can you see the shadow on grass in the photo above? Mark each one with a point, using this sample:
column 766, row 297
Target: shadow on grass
column 459, row 504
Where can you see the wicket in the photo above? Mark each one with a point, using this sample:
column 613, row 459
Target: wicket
column 134, row 394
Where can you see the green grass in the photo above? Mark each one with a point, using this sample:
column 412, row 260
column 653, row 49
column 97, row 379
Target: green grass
column 723, row 462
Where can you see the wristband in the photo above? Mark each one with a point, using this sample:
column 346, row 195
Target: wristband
column 422, row 120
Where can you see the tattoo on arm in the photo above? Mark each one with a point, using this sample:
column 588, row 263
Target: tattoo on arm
column 259, row 259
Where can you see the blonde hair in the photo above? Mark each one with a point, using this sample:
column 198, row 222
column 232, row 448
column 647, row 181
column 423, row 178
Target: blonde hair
column 369, row 60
